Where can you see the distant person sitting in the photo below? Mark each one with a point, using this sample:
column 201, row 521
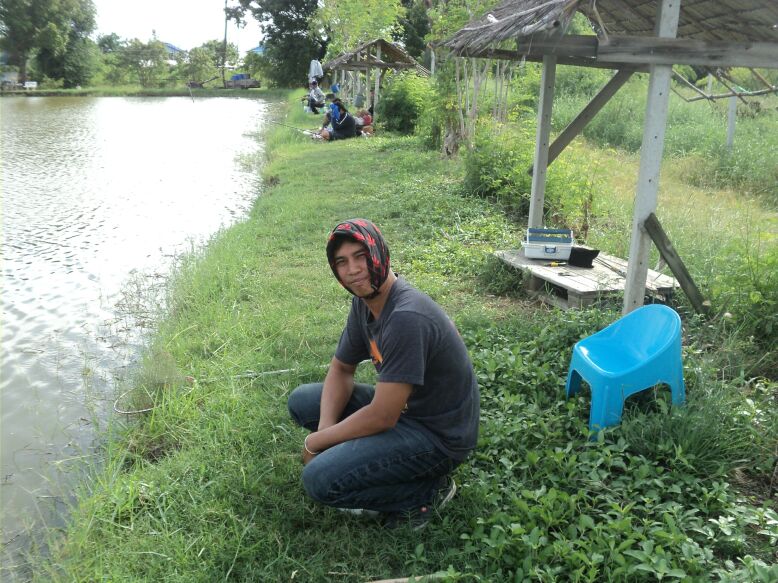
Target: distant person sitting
column 315, row 98
column 343, row 125
column 333, row 111
column 364, row 122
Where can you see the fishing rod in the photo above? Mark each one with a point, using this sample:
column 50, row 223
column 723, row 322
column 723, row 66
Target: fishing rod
column 306, row 132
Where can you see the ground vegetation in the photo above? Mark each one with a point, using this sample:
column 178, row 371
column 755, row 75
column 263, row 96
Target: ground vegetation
column 206, row 485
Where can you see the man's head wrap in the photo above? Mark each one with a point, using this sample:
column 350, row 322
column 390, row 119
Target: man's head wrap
column 364, row 232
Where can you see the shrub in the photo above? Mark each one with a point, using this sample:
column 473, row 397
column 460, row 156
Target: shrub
column 498, row 167
column 404, row 101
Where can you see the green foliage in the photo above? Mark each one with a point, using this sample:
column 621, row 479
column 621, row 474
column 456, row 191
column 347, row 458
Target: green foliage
column 404, row 101
column 579, row 81
column 349, row 23
column 145, row 62
column 498, row 167
column 204, row 62
column 289, row 43
column 53, row 29
column 207, row 486
column 75, row 65
column 745, row 284
column 697, row 129
column 415, row 25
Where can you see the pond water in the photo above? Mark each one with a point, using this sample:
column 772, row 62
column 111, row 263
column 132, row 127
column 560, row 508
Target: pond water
column 98, row 196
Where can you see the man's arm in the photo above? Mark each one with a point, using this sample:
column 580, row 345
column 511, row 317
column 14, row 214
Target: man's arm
column 338, row 386
column 381, row 414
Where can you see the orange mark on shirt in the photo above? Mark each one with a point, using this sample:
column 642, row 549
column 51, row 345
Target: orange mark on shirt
column 375, row 353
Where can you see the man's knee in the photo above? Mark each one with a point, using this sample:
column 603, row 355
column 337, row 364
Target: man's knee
column 303, row 403
column 317, row 483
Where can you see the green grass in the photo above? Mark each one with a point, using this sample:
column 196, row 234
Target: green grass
column 696, row 131
column 207, row 486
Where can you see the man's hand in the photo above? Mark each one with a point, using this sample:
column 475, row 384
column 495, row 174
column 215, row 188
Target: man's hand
column 308, row 452
column 307, row 457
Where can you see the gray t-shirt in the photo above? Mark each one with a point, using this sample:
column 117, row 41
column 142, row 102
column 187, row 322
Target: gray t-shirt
column 414, row 341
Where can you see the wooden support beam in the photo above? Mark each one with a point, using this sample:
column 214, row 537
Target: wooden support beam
column 536, row 57
column 650, row 161
column 542, row 140
column 619, row 51
column 669, row 51
column 677, row 266
column 576, row 126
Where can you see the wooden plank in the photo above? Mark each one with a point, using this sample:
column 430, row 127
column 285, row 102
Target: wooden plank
column 542, row 139
column 650, row 162
column 606, row 277
column 587, row 114
column 676, row 264
column 570, row 45
column 670, row 51
column 617, row 51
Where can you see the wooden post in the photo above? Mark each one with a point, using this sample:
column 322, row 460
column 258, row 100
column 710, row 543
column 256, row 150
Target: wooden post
column 377, row 81
column 731, row 119
column 677, row 266
column 542, row 139
column 650, row 161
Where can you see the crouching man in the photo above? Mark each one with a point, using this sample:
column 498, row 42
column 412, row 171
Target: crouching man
column 389, row 448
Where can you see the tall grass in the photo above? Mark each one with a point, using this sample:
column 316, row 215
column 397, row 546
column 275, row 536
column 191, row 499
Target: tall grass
column 697, row 130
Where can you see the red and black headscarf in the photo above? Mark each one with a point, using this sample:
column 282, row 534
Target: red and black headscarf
column 365, row 232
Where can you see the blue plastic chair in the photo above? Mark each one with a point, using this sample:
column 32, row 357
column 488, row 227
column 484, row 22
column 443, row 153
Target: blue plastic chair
column 636, row 352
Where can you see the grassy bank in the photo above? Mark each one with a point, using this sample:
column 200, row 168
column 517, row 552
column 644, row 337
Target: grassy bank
column 206, row 486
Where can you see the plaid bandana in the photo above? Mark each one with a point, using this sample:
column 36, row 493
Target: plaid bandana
column 365, row 232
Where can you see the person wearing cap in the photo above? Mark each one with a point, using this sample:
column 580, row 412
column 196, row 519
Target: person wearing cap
column 387, row 449
column 315, row 97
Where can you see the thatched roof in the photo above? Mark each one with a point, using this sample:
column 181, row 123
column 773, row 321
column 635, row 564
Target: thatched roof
column 364, row 56
column 708, row 20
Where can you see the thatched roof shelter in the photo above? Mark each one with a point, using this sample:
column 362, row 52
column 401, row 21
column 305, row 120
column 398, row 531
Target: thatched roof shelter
column 370, row 59
column 632, row 35
column 746, row 21
column 379, row 54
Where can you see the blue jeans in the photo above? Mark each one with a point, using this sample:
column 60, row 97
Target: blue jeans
column 399, row 469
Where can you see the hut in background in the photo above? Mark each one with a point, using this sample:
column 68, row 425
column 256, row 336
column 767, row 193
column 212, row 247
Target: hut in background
column 363, row 68
column 632, row 36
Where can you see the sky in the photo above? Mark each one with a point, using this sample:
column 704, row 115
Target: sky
column 183, row 23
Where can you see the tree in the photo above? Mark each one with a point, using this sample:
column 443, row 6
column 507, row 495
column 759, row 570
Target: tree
column 290, row 45
column 204, row 62
column 75, row 66
column 50, row 26
column 146, row 61
column 109, row 43
column 415, row 27
column 349, row 23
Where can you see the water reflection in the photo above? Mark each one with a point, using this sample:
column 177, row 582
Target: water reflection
column 94, row 189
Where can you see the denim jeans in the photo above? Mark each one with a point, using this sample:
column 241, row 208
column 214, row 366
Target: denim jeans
column 396, row 470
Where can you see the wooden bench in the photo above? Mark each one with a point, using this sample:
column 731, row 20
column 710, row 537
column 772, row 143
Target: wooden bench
column 566, row 286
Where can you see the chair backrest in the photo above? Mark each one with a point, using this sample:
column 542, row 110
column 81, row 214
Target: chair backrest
column 649, row 328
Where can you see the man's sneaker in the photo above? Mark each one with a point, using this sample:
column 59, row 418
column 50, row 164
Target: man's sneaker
column 360, row 512
column 418, row 518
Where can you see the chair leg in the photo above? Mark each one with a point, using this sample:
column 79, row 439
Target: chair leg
column 607, row 407
column 678, row 389
column 573, row 383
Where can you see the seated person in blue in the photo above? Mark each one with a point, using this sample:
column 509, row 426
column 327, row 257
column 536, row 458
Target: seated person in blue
column 342, row 124
column 387, row 449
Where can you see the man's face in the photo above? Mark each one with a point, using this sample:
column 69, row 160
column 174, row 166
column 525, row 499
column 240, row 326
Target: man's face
column 351, row 265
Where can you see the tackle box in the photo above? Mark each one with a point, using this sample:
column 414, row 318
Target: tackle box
column 554, row 244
